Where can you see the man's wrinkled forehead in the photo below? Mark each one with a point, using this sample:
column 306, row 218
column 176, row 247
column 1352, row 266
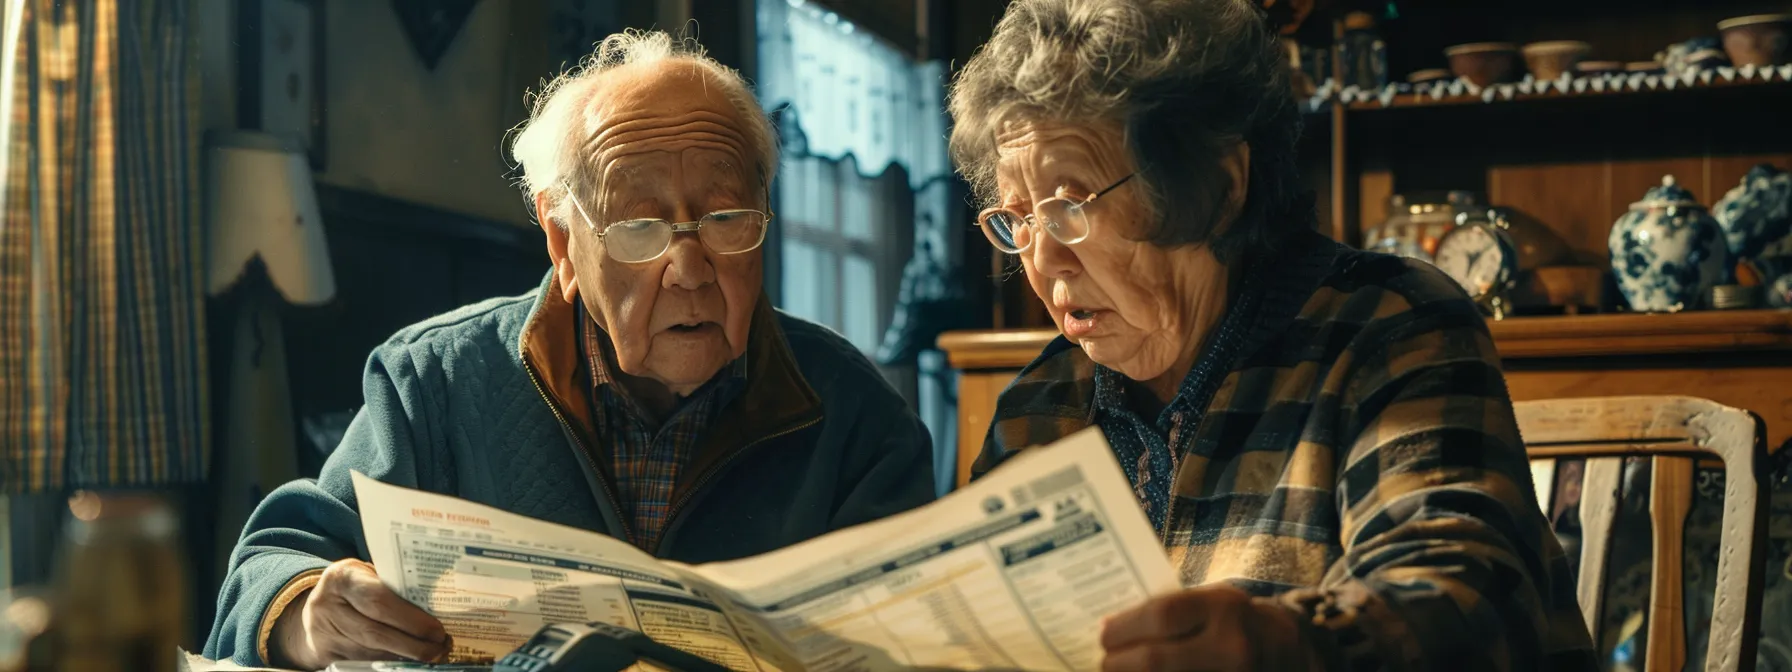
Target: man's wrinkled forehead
column 666, row 107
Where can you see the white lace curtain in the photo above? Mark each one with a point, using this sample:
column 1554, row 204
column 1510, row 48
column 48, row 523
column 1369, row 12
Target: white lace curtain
column 851, row 111
column 850, row 93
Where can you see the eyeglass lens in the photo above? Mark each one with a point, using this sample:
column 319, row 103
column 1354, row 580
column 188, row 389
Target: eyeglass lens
column 1059, row 217
column 725, row 232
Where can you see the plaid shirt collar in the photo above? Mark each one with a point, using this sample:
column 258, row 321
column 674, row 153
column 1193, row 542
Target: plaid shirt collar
column 1152, row 449
column 647, row 454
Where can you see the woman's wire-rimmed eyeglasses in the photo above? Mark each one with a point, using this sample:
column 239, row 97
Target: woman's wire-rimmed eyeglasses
column 636, row 241
column 1064, row 219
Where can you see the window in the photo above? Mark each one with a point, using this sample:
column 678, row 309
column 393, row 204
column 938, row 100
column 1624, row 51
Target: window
column 864, row 135
column 864, row 179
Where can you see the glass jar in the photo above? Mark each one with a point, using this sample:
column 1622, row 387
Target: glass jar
column 1362, row 56
column 25, row 622
column 1416, row 222
column 120, row 586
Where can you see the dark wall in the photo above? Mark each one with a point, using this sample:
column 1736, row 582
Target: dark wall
column 396, row 263
column 726, row 29
column 957, row 29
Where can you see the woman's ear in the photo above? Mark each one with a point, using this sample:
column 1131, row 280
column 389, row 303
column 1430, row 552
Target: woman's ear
column 1237, row 164
column 559, row 246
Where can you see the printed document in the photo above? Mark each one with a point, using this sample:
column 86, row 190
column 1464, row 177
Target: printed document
column 1014, row 571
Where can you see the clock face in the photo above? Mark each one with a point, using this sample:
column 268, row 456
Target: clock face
column 1476, row 258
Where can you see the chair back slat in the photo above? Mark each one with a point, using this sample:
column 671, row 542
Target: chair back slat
column 1670, row 499
column 1598, row 508
column 1741, row 565
column 1543, row 479
column 1671, row 431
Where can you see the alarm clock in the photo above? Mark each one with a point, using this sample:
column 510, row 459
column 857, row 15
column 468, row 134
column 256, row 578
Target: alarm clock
column 1479, row 254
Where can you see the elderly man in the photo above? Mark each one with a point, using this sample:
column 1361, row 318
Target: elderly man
column 648, row 390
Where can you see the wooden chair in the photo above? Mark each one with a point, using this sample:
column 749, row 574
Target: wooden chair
column 1673, row 432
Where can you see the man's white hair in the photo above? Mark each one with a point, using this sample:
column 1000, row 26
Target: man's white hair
column 547, row 147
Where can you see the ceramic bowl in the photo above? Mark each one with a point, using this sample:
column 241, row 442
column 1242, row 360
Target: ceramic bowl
column 1428, row 75
column 1548, row 60
column 1757, row 40
column 1484, row 63
column 1598, row 67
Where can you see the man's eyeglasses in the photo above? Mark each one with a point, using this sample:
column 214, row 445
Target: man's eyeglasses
column 1063, row 218
column 635, row 241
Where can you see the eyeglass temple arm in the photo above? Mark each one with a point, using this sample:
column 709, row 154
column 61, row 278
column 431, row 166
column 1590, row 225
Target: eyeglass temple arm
column 1113, row 186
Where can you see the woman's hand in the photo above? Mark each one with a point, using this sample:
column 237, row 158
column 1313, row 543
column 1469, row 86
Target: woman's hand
column 1210, row 628
column 351, row 615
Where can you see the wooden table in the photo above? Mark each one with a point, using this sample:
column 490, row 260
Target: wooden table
column 1738, row 358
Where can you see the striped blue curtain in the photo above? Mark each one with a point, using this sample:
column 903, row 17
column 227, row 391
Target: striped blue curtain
column 102, row 339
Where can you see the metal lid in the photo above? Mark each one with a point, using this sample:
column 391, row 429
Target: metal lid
column 1734, row 297
column 1669, row 195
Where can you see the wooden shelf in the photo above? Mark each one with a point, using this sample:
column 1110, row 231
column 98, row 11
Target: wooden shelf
column 1516, row 338
column 1414, row 100
column 1643, row 334
column 994, row 348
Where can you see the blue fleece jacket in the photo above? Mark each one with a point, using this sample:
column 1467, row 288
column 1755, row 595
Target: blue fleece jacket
column 485, row 403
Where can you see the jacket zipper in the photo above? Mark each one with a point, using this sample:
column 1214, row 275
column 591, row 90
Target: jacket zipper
column 678, row 507
column 615, row 504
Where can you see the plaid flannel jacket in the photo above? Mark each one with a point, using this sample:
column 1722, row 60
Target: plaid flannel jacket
column 1346, row 444
column 646, row 456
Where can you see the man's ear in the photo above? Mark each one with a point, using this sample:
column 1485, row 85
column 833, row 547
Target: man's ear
column 559, row 246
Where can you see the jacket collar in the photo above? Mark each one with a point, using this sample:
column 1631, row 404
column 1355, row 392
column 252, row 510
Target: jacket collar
column 777, row 400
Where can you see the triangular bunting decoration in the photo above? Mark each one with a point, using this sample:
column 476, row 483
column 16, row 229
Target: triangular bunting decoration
column 432, row 24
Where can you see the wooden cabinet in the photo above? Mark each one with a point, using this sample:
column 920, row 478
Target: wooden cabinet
column 1740, row 358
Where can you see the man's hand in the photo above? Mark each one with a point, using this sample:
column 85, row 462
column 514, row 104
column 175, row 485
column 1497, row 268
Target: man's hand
column 350, row 615
column 1210, row 628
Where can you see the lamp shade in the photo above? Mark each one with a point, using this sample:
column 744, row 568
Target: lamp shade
column 260, row 202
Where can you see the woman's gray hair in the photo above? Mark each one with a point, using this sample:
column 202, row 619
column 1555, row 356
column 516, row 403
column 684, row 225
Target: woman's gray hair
column 1184, row 79
column 546, row 150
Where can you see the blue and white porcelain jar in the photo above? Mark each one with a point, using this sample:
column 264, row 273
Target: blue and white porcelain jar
column 1757, row 215
column 1667, row 251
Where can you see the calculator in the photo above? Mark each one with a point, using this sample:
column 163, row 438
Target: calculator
column 596, row 647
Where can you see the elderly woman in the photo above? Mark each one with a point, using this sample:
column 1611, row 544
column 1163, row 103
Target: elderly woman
column 1321, row 436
